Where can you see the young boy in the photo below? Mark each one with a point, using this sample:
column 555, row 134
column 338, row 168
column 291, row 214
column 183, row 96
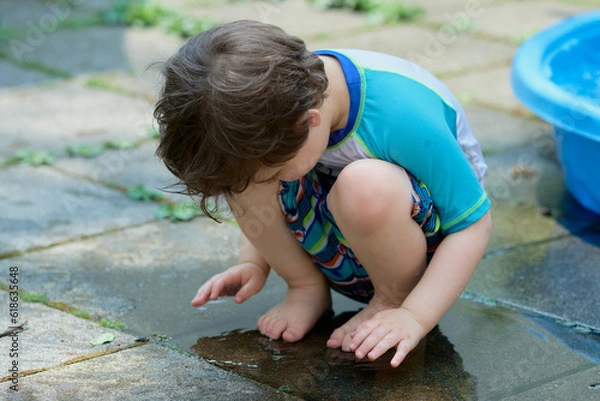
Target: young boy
column 344, row 169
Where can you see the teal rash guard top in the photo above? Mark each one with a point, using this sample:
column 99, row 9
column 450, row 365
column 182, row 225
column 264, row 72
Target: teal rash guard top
column 402, row 114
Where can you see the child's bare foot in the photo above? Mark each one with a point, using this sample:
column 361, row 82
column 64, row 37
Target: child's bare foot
column 341, row 336
column 297, row 314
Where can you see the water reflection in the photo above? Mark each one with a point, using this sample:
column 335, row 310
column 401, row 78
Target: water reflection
column 433, row 371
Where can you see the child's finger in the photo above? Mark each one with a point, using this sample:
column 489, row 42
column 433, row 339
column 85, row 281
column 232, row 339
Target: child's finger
column 360, row 334
column 403, row 349
column 388, row 341
column 204, row 293
column 242, row 295
column 247, row 290
column 374, row 338
column 216, row 288
column 201, row 296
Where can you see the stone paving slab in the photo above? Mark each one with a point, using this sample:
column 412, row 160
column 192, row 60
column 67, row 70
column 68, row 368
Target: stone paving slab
column 137, row 41
column 434, row 50
column 490, row 87
column 506, row 131
column 297, row 17
column 50, row 117
column 506, row 352
column 149, row 372
column 533, row 260
column 572, row 387
column 529, row 175
column 67, row 50
column 146, row 84
column 518, row 20
column 557, row 278
column 524, row 184
column 11, row 75
column 115, row 49
column 51, row 337
column 449, row 11
column 119, row 275
column 127, row 168
column 147, row 276
column 27, row 13
column 17, row 13
column 40, row 200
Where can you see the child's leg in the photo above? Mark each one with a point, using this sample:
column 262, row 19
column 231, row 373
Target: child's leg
column 372, row 204
column 260, row 218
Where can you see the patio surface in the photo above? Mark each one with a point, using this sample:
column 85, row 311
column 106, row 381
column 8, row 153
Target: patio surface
column 92, row 261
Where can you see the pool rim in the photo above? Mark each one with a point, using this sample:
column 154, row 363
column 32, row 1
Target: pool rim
column 540, row 94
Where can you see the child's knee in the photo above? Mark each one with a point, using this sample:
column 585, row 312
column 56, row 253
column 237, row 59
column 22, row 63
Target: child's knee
column 368, row 192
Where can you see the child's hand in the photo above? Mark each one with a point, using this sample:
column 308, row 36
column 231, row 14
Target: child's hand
column 387, row 329
column 241, row 281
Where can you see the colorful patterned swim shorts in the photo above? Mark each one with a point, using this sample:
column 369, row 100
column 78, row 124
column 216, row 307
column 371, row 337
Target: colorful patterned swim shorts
column 304, row 204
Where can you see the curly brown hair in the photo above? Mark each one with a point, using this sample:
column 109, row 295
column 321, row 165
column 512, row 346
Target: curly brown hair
column 235, row 99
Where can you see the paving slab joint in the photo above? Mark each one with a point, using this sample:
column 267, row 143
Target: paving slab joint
column 484, row 299
column 503, row 249
column 37, row 66
column 540, row 383
column 474, row 33
column 100, row 82
column 138, row 342
column 475, row 69
column 14, row 254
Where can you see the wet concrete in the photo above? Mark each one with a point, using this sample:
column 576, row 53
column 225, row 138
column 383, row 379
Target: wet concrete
column 454, row 362
column 526, row 330
column 146, row 276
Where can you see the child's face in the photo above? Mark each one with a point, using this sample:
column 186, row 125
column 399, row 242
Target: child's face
column 308, row 155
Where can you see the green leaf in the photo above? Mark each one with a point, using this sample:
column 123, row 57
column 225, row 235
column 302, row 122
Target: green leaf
column 162, row 212
column 112, row 324
column 33, row 297
column 142, row 193
column 87, row 150
column 103, row 339
column 177, row 212
column 285, row 389
column 147, row 14
column 184, row 212
column 394, row 12
column 34, row 158
column 120, row 144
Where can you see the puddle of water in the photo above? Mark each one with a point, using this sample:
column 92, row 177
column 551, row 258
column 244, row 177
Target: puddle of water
column 433, row 371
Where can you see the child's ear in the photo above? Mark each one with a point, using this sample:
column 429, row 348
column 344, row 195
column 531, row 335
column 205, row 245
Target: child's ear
column 314, row 117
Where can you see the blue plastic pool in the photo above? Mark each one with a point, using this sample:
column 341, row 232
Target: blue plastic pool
column 556, row 74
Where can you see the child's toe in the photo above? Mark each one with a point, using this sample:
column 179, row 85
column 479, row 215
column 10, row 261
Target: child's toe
column 292, row 334
column 276, row 328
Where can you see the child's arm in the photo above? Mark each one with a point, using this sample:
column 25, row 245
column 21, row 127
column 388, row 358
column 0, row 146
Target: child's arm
column 242, row 280
column 444, row 280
